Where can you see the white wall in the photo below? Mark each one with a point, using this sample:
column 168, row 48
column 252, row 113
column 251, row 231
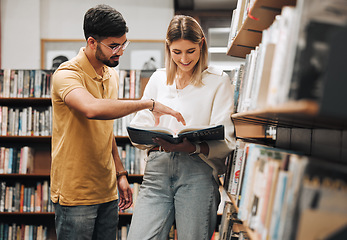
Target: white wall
column 25, row 22
column 20, row 33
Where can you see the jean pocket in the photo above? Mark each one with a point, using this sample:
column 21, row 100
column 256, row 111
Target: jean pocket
column 196, row 158
column 152, row 155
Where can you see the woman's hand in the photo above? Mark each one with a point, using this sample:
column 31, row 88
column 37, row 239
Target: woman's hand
column 184, row 146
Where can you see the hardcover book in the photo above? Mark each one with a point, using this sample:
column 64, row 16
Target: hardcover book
column 145, row 135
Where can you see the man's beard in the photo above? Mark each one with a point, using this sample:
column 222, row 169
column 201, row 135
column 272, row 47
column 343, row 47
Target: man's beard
column 109, row 63
column 99, row 55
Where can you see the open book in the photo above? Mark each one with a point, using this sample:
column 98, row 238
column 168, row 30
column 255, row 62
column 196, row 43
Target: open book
column 144, row 135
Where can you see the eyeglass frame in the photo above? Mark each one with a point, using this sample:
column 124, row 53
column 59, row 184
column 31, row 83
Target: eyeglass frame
column 118, row 47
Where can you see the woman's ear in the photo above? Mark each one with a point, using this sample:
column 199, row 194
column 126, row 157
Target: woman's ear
column 202, row 42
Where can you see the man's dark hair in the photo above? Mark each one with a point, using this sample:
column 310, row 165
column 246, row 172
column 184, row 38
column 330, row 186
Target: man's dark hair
column 103, row 21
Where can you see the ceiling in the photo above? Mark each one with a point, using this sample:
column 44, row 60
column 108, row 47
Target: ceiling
column 213, row 5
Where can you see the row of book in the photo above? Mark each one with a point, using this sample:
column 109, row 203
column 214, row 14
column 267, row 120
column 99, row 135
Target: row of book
column 36, row 83
column 230, row 227
column 21, row 159
column 295, row 57
column 120, row 125
column 22, row 231
column 16, row 160
column 26, row 121
column 280, row 193
column 133, row 158
column 29, row 121
column 239, row 15
column 132, row 83
column 25, row 197
column 21, row 83
column 129, row 84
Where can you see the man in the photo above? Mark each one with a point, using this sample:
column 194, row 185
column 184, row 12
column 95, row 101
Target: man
column 86, row 167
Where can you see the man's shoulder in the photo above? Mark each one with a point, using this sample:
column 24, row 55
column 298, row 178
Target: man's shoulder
column 70, row 65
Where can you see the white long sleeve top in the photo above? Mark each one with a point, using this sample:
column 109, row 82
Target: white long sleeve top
column 209, row 104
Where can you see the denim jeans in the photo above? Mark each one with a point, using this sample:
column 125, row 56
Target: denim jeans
column 97, row 221
column 176, row 187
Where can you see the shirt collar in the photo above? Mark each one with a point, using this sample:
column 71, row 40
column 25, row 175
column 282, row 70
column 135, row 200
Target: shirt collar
column 89, row 69
column 214, row 70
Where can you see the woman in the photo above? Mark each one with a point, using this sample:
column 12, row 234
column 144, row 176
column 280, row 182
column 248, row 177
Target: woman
column 181, row 181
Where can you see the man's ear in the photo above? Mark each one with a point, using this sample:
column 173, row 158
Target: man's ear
column 92, row 43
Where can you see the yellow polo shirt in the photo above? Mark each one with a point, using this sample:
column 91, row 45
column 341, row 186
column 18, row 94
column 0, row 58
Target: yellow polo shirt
column 83, row 170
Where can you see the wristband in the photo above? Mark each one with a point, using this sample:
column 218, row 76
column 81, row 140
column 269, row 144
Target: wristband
column 152, row 105
column 122, row 173
column 197, row 149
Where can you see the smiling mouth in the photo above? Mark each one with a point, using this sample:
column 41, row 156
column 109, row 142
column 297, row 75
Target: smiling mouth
column 185, row 64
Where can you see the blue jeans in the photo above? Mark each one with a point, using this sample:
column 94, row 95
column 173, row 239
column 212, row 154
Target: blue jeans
column 177, row 187
column 97, row 221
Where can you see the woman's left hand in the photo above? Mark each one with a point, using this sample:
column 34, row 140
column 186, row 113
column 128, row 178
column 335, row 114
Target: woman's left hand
column 184, row 146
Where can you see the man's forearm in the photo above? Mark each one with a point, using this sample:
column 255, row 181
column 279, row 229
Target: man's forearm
column 105, row 109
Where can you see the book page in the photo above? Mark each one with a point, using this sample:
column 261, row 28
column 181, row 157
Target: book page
column 157, row 129
column 192, row 128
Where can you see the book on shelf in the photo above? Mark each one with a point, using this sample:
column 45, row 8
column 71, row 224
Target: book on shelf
column 227, row 220
column 299, row 57
column 225, row 179
column 132, row 158
column 322, row 193
column 239, row 15
column 237, row 83
column 25, row 197
column 26, row 121
column 145, row 135
column 16, row 160
column 279, row 203
column 22, row 231
column 132, row 83
column 318, row 34
column 280, row 188
column 253, row 151
column 19, row 83
column 237, row 167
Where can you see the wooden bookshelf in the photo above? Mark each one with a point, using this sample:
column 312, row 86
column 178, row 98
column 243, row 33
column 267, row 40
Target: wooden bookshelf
column 25, row 101
column 299, row 114
column 42, row 166
column 27, row 213
column 306, row 128
column 259, row 18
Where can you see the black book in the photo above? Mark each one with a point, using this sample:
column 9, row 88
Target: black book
column 145, row 135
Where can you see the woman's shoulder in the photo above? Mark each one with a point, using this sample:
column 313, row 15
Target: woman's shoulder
column 160, row 71
column 158, row 75
column 213, row 72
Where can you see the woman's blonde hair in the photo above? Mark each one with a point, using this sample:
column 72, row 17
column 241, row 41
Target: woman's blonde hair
column 187, row 28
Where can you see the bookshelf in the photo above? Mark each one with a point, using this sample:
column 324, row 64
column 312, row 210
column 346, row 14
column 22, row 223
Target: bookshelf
column 29, row 210
column 260, row 17
column 14, row 218
column 304, row 131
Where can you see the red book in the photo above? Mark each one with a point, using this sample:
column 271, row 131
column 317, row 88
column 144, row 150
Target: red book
column 21, row 198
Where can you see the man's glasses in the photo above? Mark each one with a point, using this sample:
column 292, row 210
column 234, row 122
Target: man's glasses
column 117, row 48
